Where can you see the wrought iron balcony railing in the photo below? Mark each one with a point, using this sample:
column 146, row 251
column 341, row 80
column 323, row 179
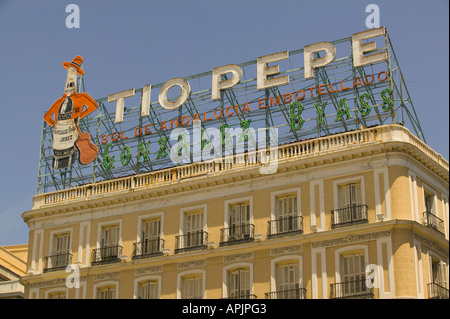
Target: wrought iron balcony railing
column 287, row 226
column 106, row 254
column 237, row 234
column 348, row 216
column 57, row 262
column 242, row 296
column 297, row 293
column 148, row 247
column 191, row 241
column 436, row 291
column 355, row 289
column 434, row 222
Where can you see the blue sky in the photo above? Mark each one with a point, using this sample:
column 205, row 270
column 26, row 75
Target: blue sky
column 128, row 44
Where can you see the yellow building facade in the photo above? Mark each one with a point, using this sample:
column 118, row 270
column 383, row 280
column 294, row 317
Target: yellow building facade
column 360, row 214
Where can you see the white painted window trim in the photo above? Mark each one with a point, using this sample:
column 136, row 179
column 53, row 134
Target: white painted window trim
column 387, row 196
column 338, row 255
column 337, row 183
column 227, row 268
column 58, row 232
column 137, row 282
column 275, row 194
column 109, row 283
column 273, row 267
column 418, row 269
column 229, row 202
column 107, row 224
column 184, row 210
column 180, row 276
column 312, row 191
column 146, row 217
column 384, row 294
column 57, row 289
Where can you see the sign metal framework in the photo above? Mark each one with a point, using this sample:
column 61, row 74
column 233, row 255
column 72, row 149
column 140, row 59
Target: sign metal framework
column 338, row 98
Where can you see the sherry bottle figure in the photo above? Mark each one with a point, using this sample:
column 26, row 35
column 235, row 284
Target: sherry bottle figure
column 67, row 111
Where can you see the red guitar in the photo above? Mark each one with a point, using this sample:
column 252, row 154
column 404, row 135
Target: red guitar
column 87, row 151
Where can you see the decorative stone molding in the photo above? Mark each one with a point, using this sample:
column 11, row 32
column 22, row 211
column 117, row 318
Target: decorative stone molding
column 237, row 257
column 52, row 283
column 191, row 264
column 108, row 275
column 147, row 270
column 286, row 250
column 350, row 239
column 430, row 245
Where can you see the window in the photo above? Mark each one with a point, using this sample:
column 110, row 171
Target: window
column 286, row 217
column 238, row 222
column 429, row 202
column 351, row 210
column 353, row 268
column 353, row 278
column 151, row 237
column 148, row 290
column 430, row 215
column 60, row 255
column 239, row 284
column 108, row 245
column 192, row 231
column 438, row 288
column 106, row 293
column 238, row 281
column 110, row 242
column 439, row 273
column 192, row 287
column 286, row 213
column 287, row 281
column 57, row 295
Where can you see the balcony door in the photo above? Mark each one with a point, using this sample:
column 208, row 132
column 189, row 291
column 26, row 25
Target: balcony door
column 151, row 236
column 193, row 229
column 353, row 275
column 60, row 251
column 286, row 213
column 349, row 204
column 239, row 283
column 287, row 281
column 239, row 221
column 110, row 242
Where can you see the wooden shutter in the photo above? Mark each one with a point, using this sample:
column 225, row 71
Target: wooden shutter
column 287, row 277
column 192, row 288
column 239, row 283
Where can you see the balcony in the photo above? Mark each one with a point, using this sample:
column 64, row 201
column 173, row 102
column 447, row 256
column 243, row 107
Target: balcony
column 298, row 293
column 355, row 289
column 191, row 241
column 237, row 234
column 348, row 216
column 434, row 222
column 106, row 255
column 436, row 291
column 148, row 248
column 288, row 226
column 242, row 296
column 57, row 262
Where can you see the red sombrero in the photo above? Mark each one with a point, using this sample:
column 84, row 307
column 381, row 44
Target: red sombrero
column 76, row 63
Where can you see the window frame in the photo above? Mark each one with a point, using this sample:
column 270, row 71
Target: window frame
column 226, row 277
column 284, row 260
column 143, row 279
column 191, row 273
